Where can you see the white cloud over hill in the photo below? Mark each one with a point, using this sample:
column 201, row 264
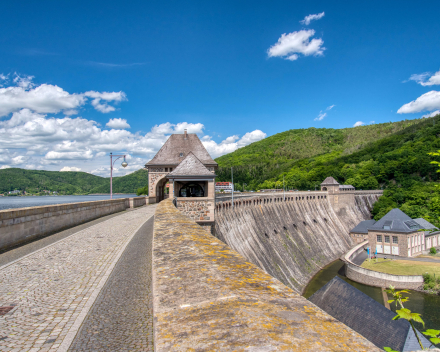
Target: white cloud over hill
column 32, row 135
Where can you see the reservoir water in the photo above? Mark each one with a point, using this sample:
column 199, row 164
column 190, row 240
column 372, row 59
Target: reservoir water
column 427, row 305
column 35, row 201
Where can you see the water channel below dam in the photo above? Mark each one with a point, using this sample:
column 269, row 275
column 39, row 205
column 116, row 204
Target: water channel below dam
column 425, row 304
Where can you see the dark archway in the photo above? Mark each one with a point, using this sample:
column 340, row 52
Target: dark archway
column 191, row 190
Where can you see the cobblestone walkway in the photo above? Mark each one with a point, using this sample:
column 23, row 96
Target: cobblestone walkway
column 52, row 290
column 122, row 317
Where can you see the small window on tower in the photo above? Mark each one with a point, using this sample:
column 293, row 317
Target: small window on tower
column 181, row 155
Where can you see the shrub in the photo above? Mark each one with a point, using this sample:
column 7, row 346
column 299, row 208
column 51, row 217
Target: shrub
column 429, row 286
column 433, row 250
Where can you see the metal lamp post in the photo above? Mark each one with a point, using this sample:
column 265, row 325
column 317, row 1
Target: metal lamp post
column 124, row 164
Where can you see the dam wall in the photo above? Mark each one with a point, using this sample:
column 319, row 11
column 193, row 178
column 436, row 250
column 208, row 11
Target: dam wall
column 291, row 237
column 207, row 297
column 24, row 224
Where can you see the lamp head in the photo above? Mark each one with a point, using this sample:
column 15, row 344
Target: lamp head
column 124, row 163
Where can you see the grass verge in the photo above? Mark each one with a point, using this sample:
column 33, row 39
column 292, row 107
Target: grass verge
column 402, row 267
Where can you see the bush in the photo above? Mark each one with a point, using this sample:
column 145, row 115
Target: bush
column 429, row 286
column 433, row 250
column 142, row 191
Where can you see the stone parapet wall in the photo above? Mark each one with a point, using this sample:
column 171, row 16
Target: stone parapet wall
column 374, row 278
column 208, row 297
column 197, row 209
column 24, row 224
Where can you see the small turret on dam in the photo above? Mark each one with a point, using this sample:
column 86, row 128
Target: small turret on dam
column 293, row 236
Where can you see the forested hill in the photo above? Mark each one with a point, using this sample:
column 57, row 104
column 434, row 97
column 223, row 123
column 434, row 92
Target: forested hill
column 35, row 181
column 392, row 156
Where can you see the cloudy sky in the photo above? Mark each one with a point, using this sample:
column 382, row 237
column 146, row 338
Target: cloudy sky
column 80, row 80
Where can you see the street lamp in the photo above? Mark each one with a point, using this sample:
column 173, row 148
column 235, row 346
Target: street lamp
column 124, row 164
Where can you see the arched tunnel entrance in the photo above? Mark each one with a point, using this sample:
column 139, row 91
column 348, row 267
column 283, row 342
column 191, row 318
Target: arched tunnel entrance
column 162, row 191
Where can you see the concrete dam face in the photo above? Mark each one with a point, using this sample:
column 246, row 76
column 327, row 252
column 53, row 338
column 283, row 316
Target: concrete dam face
column 293, row 238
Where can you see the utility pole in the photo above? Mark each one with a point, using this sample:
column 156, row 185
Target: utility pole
column 232, row 178
column 284, row 191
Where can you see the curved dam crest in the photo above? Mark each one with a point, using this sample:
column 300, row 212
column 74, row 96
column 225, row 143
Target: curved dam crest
column 293, row 239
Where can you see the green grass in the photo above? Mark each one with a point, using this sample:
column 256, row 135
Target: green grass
column 402, row 267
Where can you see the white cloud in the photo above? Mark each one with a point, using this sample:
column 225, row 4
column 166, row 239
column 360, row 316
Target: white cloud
column 427, row 102
column 310, row 18
column 330, row 107
column 107, row 96
column 432, row 114
column 118, row 124
column 320, row 116
column 34, row 139
column 231, row 143
column 47, row 98
column 297, row 42
column 421, row 78
column 5, row 167
column 359, row 123
column 72, row 168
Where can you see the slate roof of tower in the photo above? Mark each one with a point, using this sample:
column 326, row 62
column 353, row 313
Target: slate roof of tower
column 363, row 314
column 362, row 227
column 176, row 144
column 330, row 181
column 398, row 221
column 191, row 166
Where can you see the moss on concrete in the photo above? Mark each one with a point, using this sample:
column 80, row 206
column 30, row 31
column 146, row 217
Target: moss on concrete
column 208, row 297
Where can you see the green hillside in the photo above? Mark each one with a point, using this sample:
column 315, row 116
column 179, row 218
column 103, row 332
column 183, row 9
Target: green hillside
column 392, row 156
column 35, row 181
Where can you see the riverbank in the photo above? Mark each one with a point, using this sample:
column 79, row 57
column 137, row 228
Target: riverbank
column 421, row 302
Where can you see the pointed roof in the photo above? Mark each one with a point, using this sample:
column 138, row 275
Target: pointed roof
column 396, row 221
column 330, row 181
column 181, row 144
column 191, row 166
column 364, row 315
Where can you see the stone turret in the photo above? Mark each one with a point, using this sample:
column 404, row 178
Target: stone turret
column 330, row 185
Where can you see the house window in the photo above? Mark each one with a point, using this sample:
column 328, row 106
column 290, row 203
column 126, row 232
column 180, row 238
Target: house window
column 166, row 169
column 181, row 154
column 171, row 169
column 379, row 238
column 395, row 241
column 387, row 239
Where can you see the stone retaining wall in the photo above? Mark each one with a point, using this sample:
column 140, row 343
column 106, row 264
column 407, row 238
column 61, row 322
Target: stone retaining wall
column 374, row 278
column 207, row 297
column 24, row 224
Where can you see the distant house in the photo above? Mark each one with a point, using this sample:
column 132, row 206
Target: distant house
column 225, row 186
column 14, row 192
column 366, row 316
column 396, row 233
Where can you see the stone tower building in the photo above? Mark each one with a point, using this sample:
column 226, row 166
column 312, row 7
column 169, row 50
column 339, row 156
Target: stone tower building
column 186, row 165
column 341, row 197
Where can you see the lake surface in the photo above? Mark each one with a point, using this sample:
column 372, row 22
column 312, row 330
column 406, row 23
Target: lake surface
column 35, row 201
column 427, row 305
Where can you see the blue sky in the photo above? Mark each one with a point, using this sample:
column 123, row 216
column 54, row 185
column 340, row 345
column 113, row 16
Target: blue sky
column 231, row 71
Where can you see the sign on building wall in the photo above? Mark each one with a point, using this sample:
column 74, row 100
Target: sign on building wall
column 395, row 250
column 386, row 250
column 379, row 248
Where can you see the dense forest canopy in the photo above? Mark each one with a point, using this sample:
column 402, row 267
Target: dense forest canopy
column 390, row 156
column 70, row 182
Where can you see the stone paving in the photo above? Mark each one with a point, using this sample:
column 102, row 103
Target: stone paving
column 122, row 317
column 53, row 289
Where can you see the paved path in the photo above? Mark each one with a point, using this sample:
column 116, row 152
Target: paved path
column 414, row 259
column 122, row 317
column 53, row 289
